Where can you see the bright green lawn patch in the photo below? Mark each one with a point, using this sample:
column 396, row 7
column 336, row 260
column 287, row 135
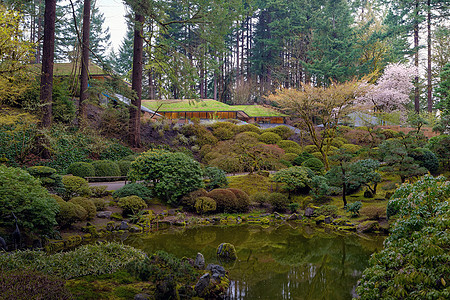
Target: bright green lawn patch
column 209, row 105
column 250, row 184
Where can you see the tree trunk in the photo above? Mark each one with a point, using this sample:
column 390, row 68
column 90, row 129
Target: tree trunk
column 429, row 84
column 416, row 59
column 136, row 83
column 84, row 63
column 37, row 59
column 47, row 63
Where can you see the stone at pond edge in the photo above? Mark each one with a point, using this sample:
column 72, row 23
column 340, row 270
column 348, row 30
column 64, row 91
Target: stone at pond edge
column 142, row 297
column 216, row 270
column 104, row 214
column 123, row 225
column 226, row 251
column 368, row 226
column 202, row 283
column 200, row 261
column 309, row 212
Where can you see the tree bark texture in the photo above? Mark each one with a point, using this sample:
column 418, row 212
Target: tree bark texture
column 136, row 83
column 84, row 63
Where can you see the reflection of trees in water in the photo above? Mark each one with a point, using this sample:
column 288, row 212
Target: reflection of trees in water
column 273, row 263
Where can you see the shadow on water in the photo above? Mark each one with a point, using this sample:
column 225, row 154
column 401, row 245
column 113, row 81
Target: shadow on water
column 284, row 262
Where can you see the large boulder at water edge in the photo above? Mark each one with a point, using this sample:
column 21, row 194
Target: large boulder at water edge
column 226, row 251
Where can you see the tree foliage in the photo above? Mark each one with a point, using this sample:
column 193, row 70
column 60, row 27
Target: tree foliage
column 170, row 174
column 414, row 262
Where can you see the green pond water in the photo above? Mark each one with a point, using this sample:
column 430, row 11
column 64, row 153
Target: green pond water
column 283, row 262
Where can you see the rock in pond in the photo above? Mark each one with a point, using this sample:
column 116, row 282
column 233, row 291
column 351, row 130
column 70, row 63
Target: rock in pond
column 226, row 251
column 368, row 226
column 200, row 261
column 216, row 270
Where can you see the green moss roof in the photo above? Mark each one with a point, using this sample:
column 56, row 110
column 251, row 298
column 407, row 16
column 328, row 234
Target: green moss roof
column 66, row 69
column 209, row 105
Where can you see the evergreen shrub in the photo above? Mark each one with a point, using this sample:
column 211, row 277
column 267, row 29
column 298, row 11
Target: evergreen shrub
column 105, row 168
column 87, row 204
column 188, row 200
column 269, row 138
column 283, row 131
column 248, row 128
column 69, row 212
column 242, row 199
column 115, row 152
column 225, row 199
column 131, row 205
column 278, row 201
column 81, row 169
column 133, row 189
column 204, row 205
column 260, row 198
column 75, row 186
column 315, row 164
column 124, row 166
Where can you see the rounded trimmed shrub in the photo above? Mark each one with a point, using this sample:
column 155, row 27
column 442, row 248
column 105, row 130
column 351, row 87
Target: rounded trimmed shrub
column 188, row 200
column 247, row 135
column 133, row 189
column 243, row 200
column 298, row 161
column 426, row 159
column 278, row 201
column 87, row 204
column 81, row 169
column 105, row 168
column 283, row 131
column 69, row 212
column 223, row 133
column 315, row 164
column 170, row 174
column 290, row 157
column 352, row 148
column 288, row 144
column 248, row 128
column 124, row 166
column 310, row 148
column 99, row 203
column 131, row 205
column 225, row 199
column 76, row 186
column 204, row 205
column 259, row 197
column 269, row 138
column 297, row 150
column 215, row 178
column 48, row 177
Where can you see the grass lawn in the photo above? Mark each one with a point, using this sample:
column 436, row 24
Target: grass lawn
column 209, row 105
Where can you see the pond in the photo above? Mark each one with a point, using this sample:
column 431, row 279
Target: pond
column 289, row 261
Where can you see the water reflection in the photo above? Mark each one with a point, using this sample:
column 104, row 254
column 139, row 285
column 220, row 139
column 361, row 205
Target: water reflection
column 283, row 262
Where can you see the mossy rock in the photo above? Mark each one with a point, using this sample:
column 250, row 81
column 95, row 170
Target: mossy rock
column 339, row 221
column 91, row 230
column 226, row 251
column 320, row 219
column 72, row 241
column 264, row 221
column 368, row 226
column 54, row 246
column 347, row 228
column 116, row 216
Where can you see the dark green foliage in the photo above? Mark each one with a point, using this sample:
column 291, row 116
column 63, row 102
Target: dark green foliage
column 215, row 178
column 278, row 201
column 354, row 208
column 418, row 242
column 69, row 212
column 167, row 272
column 283, row 131
column 27, row 284
column 48, row 177
column 188, row 200
column 242, row 200
column 301, row 158
column 115, row 152
column 99, row 203
column 269, row 138
column 315, row 164
column 293, row 178
column 81, row 169
column 124, row 166
column 319, row 187
column 440, row 145
column 75, row 186
column 87, row 204
column 426, row 159
column 259, row 197
column 225, row 199
column 223, row 133
column 98, row 191
column 204, row 205
column 133, row 189
column 326, row 210
column 23, row 195
column 131, row 205
column 170, row 175
column 443, row 91
column 106, row 168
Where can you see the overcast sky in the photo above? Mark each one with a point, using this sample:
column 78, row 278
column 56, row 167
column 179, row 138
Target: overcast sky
column 114, row 12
